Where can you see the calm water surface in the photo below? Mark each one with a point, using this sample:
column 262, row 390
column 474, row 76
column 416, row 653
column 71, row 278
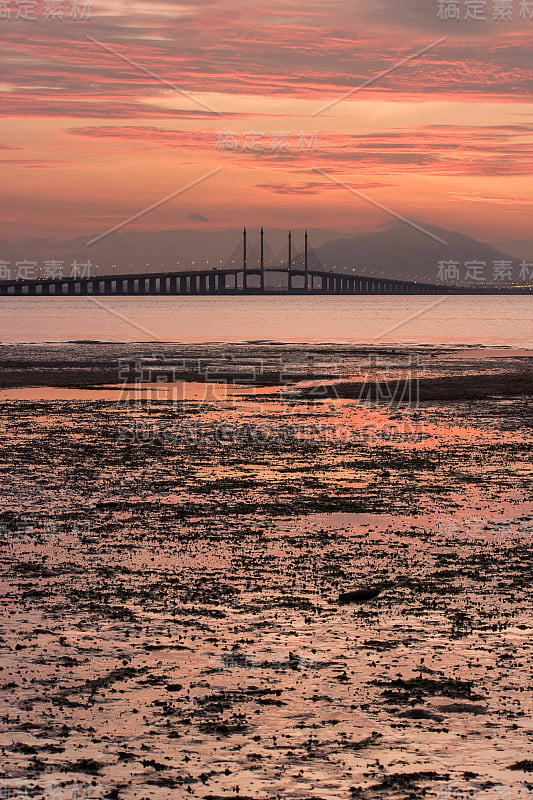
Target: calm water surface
column 427, row 320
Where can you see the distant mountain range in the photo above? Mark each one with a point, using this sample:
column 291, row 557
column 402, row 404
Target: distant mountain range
column 397, row 251
column 401, row 251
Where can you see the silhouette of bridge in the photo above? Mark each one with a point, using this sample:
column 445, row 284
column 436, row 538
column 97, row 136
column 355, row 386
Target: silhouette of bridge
column 301, row 273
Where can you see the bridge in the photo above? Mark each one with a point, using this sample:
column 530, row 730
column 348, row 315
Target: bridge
column 247, row 279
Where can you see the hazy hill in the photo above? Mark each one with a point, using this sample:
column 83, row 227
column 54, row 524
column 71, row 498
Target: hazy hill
column 402, row 251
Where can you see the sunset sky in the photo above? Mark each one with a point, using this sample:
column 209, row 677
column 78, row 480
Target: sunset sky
column 89, row 138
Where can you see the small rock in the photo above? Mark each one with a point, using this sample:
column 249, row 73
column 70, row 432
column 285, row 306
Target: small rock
column 420, row 713
column 358, row 595
column 524, row 766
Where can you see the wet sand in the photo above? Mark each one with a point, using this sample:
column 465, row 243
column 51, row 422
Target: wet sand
column 171, row 571
column 457, row 387
column 434, row 373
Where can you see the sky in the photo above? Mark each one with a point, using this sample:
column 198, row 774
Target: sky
column 273, row 111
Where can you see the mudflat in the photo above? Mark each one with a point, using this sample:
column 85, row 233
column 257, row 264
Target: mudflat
column 172, row 569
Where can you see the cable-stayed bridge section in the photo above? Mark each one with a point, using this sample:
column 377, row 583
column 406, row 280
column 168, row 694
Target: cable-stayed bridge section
column 249, row 270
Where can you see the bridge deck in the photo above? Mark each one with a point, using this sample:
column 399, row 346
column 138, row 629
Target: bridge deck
column 236, row 281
